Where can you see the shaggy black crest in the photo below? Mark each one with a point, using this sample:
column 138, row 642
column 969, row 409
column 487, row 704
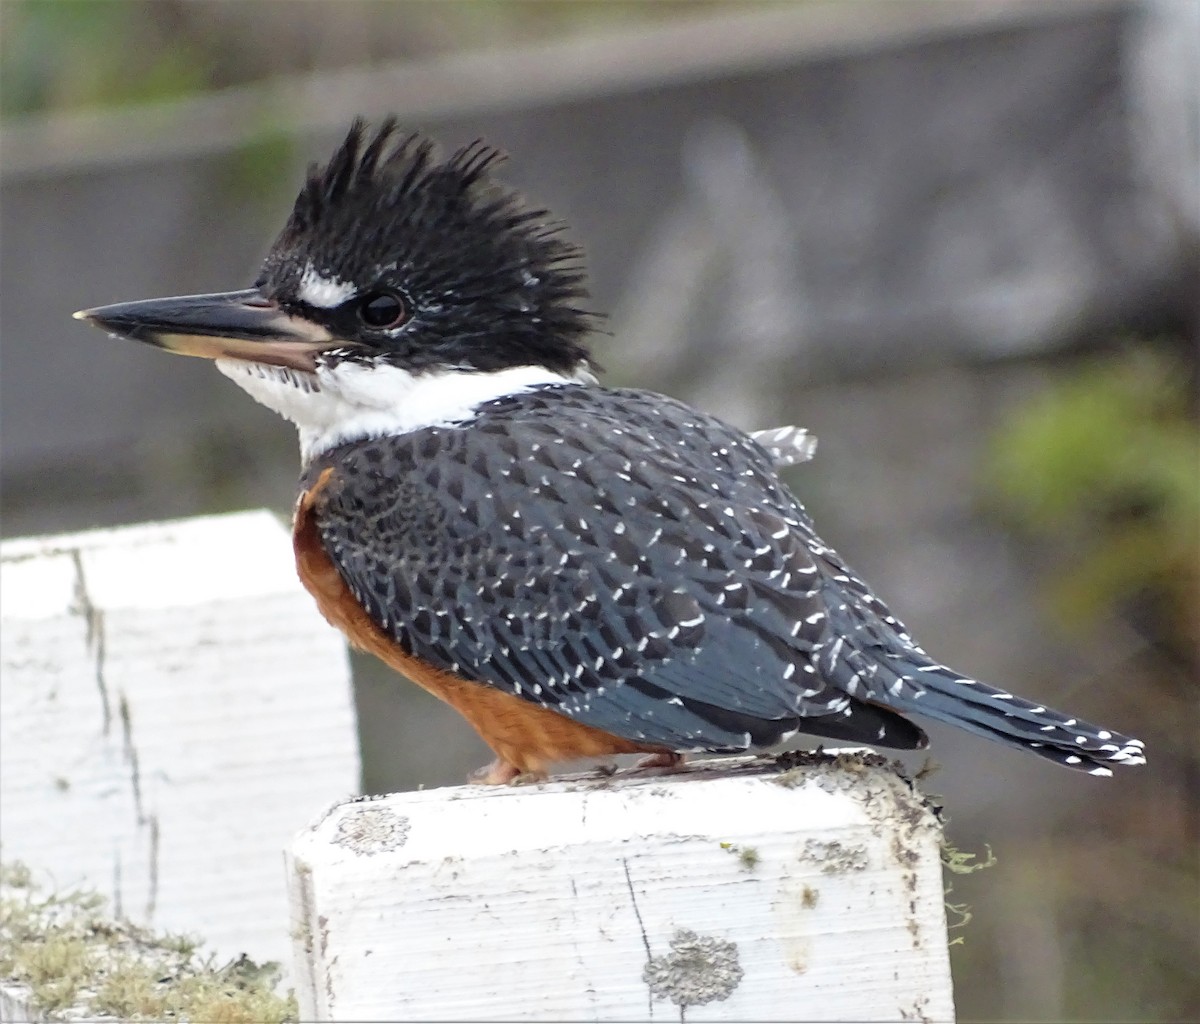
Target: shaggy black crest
column 488, row 282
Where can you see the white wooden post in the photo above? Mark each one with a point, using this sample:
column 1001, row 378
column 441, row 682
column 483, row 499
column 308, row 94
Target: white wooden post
column 732, row 891
column 173, row 708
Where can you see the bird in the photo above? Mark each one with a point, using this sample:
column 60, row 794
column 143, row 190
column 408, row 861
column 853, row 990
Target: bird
column 580, row 571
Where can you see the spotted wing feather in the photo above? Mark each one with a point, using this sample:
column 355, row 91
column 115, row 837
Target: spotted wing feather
column 627, row 562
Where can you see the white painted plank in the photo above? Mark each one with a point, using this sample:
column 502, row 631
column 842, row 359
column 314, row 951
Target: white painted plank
column 727, row 892
column 16, row 1007
column 173, row 710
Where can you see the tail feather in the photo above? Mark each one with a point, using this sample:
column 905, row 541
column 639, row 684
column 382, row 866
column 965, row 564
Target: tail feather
column 863, row 722
column 945, row 695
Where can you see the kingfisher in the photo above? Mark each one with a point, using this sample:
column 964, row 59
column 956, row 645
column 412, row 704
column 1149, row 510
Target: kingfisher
column 580, row 571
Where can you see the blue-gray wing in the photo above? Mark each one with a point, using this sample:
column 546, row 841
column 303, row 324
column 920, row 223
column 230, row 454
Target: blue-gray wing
column 613, row 555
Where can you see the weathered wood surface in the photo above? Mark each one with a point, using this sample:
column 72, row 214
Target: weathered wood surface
column 173, row 710
column 729, row 892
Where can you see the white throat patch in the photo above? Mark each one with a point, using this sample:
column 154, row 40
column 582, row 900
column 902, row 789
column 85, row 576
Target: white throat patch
column 352, row 401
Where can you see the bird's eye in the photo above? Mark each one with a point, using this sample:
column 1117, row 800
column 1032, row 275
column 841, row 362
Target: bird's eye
column 382, row 310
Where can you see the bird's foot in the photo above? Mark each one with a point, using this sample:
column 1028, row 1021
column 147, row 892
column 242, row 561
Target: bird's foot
column 659, row 759
column 502, row 773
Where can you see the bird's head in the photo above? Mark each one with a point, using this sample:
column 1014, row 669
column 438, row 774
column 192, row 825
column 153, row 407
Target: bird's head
column 399, row 281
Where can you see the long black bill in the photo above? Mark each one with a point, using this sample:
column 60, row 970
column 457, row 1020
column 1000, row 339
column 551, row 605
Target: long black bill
column 224, row 325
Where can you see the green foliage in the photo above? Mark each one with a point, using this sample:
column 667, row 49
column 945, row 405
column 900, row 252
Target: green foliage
column 78, row 53
column 68, row 54
column 1106, row 462
column 1101, row 470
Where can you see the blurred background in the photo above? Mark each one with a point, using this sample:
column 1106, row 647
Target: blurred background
column 959, row 241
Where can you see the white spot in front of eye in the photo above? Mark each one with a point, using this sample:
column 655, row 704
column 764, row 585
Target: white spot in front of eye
column 322, row 292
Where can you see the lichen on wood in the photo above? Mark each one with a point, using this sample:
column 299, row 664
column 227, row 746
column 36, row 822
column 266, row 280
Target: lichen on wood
column 64, row 958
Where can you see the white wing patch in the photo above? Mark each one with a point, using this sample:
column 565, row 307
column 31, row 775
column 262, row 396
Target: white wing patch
column 787, row 446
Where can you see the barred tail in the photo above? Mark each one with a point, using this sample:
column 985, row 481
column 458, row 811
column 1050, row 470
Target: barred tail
column 940, row 693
